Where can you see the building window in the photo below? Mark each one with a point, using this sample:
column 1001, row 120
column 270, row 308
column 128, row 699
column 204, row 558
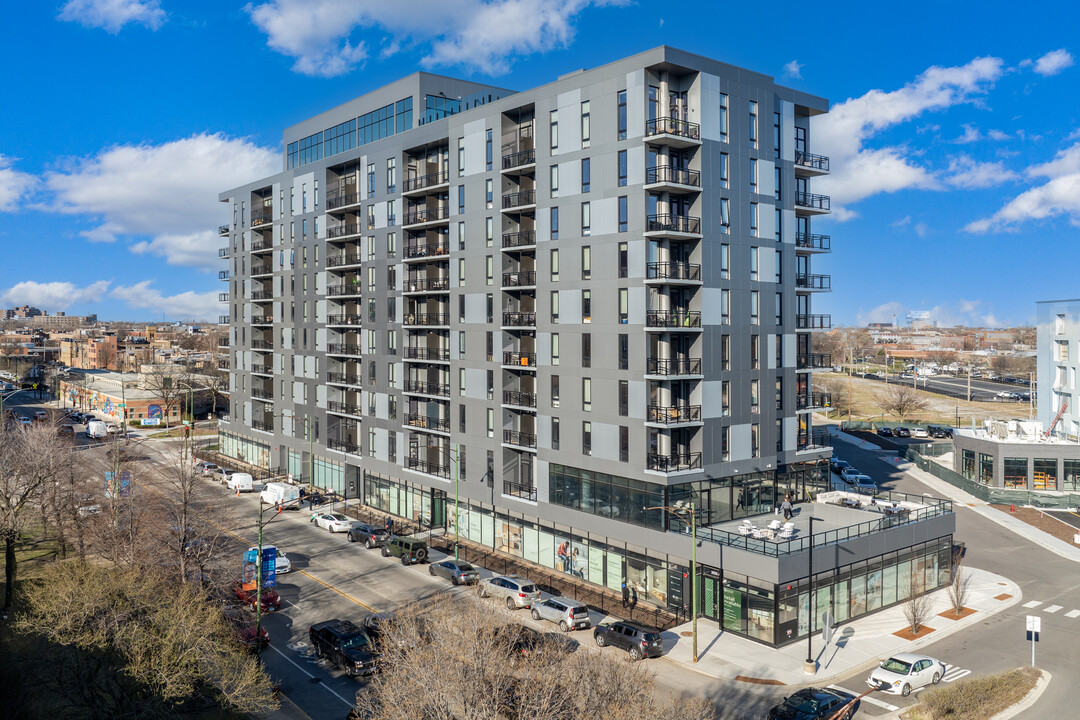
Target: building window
column 776, row 182
column 624, row 444
column 461, row 157
column 755, row 440
column 391, row 175
column 461, row 271
column 776, row 135
column 489, row 193
column 490, row 384
column 586, row 306
column 554, row 265
column 622, row 168
column 755, row 397
column 624, row 306
column 490, row 270
column 555, row 433
column 622, row 114
column 586, row 175
column 555, row 306
column 554, row 171
column 624, row 259
column 754, row 219
column 754, row 260
column 725, row 261
column 725, row 352
column 723, row 116
column 461, row 199
column 489, row 228
column 554, row 348
column 755, row 352
column 554, row 223
column 753, row 123
column 586, row 438
column 490, row 423
column 586, row 263
column 624, row 351
column 488, row 152
column 586, row 394
column 624, row 398
column 554, row 391
column 779, row 393
column 753, row 175
column 624, row 213
column 755, row 307
column 725, row 444
column 461, row 308
column 586, row 219
column 461, row 234
column 779, row 316
column 554, row 132
column 725, row 398
column 725, row 307
column 586, row 350
column 779, row 223
column 371, row 179
column 724, row 177
column 725, row 215
column 586, row 124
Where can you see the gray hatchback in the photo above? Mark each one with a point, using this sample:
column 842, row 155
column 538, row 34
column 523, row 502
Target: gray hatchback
column 519, row 592
column 566, row 613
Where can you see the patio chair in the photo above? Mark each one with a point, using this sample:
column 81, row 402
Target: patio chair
column 788, row 526
column 776, row 524
column 759, row 534
column 744, row 530
column 786, row 534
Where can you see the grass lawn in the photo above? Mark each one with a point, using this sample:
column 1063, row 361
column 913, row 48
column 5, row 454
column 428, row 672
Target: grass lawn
column 30, row 555
column 179, row 432
column 975, row 698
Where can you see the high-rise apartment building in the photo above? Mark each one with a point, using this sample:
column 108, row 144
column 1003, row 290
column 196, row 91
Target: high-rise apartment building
column 571, row 306
column 1058, row 349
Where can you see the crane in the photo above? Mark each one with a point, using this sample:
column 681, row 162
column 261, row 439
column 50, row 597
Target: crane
column 1057, row 418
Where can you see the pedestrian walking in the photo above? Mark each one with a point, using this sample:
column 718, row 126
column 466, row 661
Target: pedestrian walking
column 633, row 597
column 786, row 507
column 625, row 594
column 389, row 525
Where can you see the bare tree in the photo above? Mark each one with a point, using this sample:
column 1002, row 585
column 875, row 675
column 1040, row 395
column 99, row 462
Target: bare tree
column 959, row 589
column 190, row 535
column 216, row 382
column 837, row 388
column 902, row 401
column 918, row 606
column 106, row 355
column 166, row 387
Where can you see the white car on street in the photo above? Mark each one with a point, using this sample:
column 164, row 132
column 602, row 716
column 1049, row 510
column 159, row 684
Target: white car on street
column 334, row 522
column 904, row 672
column 282, row 563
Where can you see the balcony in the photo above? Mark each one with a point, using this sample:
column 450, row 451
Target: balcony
column 673, row 366
column 520, row 278
column 673, row 132
column 813, row 401
column 520, row 359
column 672, row 179
column 223, row 253
column 816, row 439
column 340, row 231
column 520, row 439
column 427, row 354
column 258, row 369
column 339, row 378
column 261, row 217
column 427, row 319
column 223, row 275
column 262, row 425
column 521, row 199
column 807, row 281
column 347, row 319
column 519, row 159
column 262, row 269
column 343, row 446
column 523, row 490
column 811, row 204
column 345, row 289
column 809, row 164
column 813, row 322
column 667, row 224
column 673, row 463
column 343, row 349
column 344, row 259
column 342, row 199
column 224, row 319
column 425, row 182
column 259, row 295
column 423, row 422
column 434, row 284
column 519, row 319
column 266, row 319
column 223, row 297
column 424, row 250
column 262, row 394
column 421, row 215
column 673, row 414
column 812, row 361
column 223, row 229
column 261, row 345
column 262, row 244
column 673, row 271
column 223, row 342
column 675, row 319
column 813, row 243
column 428, row 468
column 523, row 239
column 419, row 387
column 520, row 399
column 344, row 408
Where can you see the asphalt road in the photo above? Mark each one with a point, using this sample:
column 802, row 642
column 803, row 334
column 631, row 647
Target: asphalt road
column 981, row 390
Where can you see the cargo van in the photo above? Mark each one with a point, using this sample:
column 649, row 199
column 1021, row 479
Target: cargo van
column 276, row 493
column 241, row 482
column 97, row 429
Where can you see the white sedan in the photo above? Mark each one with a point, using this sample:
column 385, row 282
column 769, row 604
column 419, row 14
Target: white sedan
column 902, row 673
column 282, row 563
column 334, row 522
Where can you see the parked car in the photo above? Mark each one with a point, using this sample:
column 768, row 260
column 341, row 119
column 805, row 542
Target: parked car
column 566, row 613
column 637, row 641
column 241, row 482
column 456, row 571
column 902, row 432
column 863, row 484
column 813, row 704
column 919, row 432
column 112, row 428
column 344, row 644
column 25, row 421
column 253, row 636
column 270, row 600
column 334, row 522
column 519, row 592
column 850, row 472
column 282, row 563
column 371, row 536
column 206, row 467
column 526, row 641
column 905, row 672
column 836, row 464
column 936, row 431
column 66, row 430
column 41, row 415
column 1008, row 395
column 883, row 431
column 410, row 550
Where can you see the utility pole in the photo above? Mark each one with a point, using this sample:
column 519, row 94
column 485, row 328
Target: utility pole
column 851, row 359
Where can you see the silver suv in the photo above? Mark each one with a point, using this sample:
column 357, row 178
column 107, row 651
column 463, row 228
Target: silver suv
column 519, row 592
column 566, row 613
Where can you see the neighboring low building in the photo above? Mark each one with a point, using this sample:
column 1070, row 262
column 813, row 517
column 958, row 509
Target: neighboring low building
column 1018, row 456
column 110, row 392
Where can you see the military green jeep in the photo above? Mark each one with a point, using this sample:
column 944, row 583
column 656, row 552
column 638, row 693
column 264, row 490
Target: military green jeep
column 410, row 550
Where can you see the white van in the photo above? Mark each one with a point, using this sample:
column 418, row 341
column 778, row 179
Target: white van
column 275, row 493
column 241, row 482
column 96, row 429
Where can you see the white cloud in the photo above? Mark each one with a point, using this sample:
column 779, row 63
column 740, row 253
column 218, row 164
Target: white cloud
column 167, row 192
column 970, row 313
column 793, row 69
column 921, row 229
column 480, row 35
column 112, row 15
column 1053, row 62
column 1060, row 195
column 53, row 296
column 843, row 133
column 966, row 173
column 902, row 221
column 14, row 184
column 971, row 134
column 183, row 306
column 997, row 135
column 882, row 313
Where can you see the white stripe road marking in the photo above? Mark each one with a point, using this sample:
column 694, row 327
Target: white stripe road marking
column 322, row 685
column 872, row 701
column 1033, row 603
column 1052, row 609
column 955, row 675
column 1072, row 613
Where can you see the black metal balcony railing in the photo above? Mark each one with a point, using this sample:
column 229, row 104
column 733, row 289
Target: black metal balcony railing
column 425, row 181
column 672, row 126
column 673, row 463
column 261, row 244
column 343, row 230
column 813, row 322
column 427, row 388
column 223, row 275
column 808, row 281
column 811, row 241
column 517, row 358
column 343, row 446
column 518, row 239
column 341, row 199
column 810, row 160
column 673, row 271
column 424, row 422
column 223, row 364
column 427, row 319
column 524, row 157
column 519, row 278
column 224, row 319
column 519, row 319
column 223, row 230
column 811, row 200
column 347, row 319
column 673, row 318
column 524, row 490
column 223, row 252
column 426, row 214
column 521, row 399
column 259, row 294
column 262, row 269
column 261, row 369
column 262, row 319
column 432, row 284
column 518, row 199
column 223, row 297
column 343, row 378
column 343, row 349
column 425, row 250
column 262, row 394
column 665, row 222
column 813, row 400
column 261, row 217
column 810, row 361
column 223, row 342
column 669, row 174
column 813, row 440
column 513, row 437
column 346, row 408
column 429, row 468
column 673, row 366
column 671, row 414
column 344, row 259
column 261, row 345
column 262, row 425
column 421, row 353
column 352, row 288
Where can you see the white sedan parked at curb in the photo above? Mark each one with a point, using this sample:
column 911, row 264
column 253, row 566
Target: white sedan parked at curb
column 904, row 672
column 334, row 522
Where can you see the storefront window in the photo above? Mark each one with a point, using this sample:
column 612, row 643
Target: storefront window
column 1071, row 478
column 967, row 466
column 986, row 469
column 1015, row 470
column 1045, row 473
column 888, row 585
column 873, row 589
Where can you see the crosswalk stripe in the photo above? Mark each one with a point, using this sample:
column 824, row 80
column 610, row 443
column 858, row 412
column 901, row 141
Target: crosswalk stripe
column 867, row 699
column 1033, row 603
column 951, row 676
column 1072, row 613
column 1052, row 609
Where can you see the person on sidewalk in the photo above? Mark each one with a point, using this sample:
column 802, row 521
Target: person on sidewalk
column 633, row 597
column 625, row 594
column 389, row 525
column 786, row 507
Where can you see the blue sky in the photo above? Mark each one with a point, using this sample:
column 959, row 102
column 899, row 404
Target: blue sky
column 954, row 135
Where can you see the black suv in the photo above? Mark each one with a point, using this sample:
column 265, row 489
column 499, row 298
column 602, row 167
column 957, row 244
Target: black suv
column 372, row 537
column 814, row 704
column 345, row 645
column 410, row 550
column 938, row 431
column 637, row 641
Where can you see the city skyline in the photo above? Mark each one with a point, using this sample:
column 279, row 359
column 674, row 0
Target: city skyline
column 941, row 164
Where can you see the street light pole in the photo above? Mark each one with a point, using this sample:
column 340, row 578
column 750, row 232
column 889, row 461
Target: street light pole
column 810, row 666
column 692, row 523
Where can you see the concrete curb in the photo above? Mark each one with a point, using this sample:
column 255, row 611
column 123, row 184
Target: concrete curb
column 1013, row 710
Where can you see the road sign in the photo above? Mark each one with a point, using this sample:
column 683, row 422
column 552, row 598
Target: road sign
column 1034, row 623
column 827, row 627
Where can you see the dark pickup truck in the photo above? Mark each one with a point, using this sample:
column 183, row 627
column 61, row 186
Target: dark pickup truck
column 345, row 645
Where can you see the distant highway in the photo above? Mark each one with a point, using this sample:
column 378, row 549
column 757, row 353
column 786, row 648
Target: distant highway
column 981, row 390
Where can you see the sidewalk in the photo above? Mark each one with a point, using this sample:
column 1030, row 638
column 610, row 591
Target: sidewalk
column 857, row 644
